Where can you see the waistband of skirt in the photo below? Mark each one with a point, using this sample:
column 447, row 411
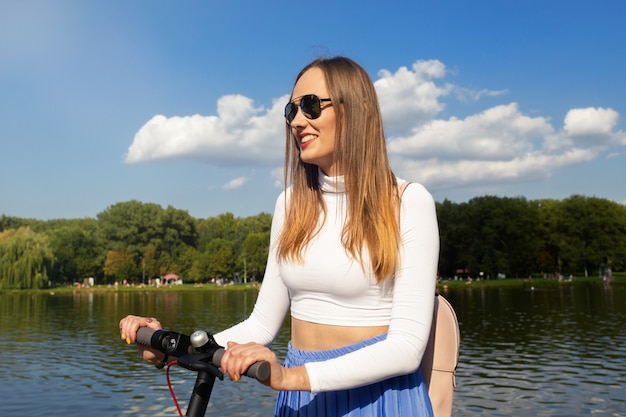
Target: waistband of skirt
column 301, row 356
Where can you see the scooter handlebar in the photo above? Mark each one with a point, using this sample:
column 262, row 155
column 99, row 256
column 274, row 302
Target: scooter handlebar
column 178, row 345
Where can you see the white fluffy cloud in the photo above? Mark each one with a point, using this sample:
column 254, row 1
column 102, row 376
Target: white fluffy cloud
column 593, row 127
column 235, row 183
column 500, row 144
column 590, row 122
column 409, row 98
column 239, row 134
column 494, row 134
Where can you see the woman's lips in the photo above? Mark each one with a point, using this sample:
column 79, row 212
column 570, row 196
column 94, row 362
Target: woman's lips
column 306, row 140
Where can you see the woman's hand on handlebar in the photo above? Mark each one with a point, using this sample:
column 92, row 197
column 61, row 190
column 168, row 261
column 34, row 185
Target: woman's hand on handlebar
column 239, row 357
column 128, row 333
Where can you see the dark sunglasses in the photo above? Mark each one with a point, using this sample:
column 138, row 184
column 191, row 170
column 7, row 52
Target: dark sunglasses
column 311, row 106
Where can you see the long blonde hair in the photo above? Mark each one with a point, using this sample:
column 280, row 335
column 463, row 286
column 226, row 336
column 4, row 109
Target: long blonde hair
column 370, row 185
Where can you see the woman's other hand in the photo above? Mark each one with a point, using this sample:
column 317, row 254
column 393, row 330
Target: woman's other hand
column 239, row 357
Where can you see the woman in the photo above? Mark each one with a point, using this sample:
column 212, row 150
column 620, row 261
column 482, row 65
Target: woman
column 351, row 259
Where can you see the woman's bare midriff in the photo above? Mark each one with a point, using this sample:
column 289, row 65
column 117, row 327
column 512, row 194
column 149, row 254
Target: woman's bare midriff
column 315, row 337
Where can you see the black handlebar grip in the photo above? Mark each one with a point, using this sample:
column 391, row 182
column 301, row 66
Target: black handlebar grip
column 156, row 338
column 144, row 337
column 259, row 370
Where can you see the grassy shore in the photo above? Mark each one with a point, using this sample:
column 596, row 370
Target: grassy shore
column 533, row 282
column 138, row 288
column 618, row 280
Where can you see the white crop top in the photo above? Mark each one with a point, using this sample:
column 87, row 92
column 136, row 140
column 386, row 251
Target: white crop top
column 331, row 287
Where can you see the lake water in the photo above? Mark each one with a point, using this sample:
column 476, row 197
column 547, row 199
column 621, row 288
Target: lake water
column 542, row 352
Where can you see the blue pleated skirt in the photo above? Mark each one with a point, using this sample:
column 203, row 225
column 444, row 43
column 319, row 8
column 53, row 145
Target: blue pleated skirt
column 404, row 395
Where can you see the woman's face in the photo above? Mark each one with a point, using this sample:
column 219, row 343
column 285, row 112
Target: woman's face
column 316, row 137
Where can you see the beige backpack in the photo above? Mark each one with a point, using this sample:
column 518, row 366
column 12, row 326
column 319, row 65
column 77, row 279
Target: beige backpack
column 441, row 356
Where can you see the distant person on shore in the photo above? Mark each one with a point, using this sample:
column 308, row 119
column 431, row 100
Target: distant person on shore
column 352, row 259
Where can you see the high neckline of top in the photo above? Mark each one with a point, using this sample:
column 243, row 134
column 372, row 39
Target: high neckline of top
column 334, row 185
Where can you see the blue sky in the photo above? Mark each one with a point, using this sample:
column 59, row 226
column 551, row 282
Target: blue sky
column 180, row 102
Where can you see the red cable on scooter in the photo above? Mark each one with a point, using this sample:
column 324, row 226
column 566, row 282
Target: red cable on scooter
column 171, row 388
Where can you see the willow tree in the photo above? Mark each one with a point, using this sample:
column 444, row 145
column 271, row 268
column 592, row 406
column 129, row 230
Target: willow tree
column 24, row 259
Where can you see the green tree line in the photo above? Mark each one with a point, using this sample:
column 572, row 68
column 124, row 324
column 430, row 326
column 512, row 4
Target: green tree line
column 137, row 241
column 516, row 237
column 131, row 241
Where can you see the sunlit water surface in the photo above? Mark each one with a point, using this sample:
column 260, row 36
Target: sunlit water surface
column 525, row 353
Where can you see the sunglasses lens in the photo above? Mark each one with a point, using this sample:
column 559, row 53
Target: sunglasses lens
column 311, row 106
column 291, row 109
